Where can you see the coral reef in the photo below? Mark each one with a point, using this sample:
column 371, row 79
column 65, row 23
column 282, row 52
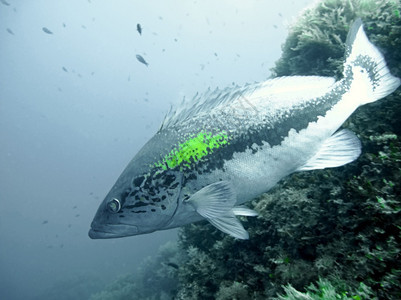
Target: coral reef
column 315, row 44
column 156, row 278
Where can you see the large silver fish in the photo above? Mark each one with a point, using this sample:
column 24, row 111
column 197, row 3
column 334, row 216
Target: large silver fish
column 228, row 146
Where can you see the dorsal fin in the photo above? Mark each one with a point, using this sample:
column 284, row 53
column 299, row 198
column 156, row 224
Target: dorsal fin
column 204, row 103
column 282, row 90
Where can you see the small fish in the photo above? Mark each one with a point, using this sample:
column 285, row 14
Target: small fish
column 65, row 69
column 46, row 30
column 139, row 28
column 45, row 222
column 173, row 265
column 226, row 147
column 5, row 2
column 141, row 60
column 10, row 31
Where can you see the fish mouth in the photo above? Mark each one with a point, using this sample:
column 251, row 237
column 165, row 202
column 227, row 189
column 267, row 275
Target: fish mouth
column 110, row 231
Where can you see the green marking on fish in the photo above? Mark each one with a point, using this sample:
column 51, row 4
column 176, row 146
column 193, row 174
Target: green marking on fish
column 193, row 150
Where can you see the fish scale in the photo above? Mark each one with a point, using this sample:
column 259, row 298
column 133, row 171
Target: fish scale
column 221, row 149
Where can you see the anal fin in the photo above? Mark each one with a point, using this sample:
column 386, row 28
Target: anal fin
column 230, row 225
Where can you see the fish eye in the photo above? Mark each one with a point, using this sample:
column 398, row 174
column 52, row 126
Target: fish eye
column 114, row 205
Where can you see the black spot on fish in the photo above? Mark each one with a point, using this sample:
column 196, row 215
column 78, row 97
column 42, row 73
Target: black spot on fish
column 174, row 185
column 138, row 204
column 138, row 181
column 168, row 179
column 138, row 212
column 124, row 196
column 157, row 176
column 164, row 197
column 191, row 176
column 121, row 216
column 153, row 210
column 163, row 207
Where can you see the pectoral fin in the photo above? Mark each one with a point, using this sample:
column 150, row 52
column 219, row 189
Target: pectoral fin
column 214, row 200
column 341, row 148
column 215, row 203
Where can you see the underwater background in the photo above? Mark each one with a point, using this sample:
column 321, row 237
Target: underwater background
column 76, row 105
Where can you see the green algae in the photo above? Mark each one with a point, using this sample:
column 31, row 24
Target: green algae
column 193, row 150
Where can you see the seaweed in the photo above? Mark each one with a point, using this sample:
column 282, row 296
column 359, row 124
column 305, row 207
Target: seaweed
column 326, row 290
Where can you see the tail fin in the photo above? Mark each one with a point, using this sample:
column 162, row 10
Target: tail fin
column 365, row 61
